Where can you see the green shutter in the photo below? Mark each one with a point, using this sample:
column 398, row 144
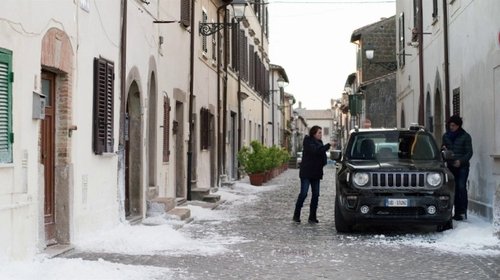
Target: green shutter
column 355, row 104
column 6, row 136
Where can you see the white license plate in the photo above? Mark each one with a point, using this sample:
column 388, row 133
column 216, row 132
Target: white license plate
column 396, row 202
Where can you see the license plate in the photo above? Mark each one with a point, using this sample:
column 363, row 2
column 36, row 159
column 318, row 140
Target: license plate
column 396, row 202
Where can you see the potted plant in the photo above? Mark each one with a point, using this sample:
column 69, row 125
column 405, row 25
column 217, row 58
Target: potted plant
column 253, row 160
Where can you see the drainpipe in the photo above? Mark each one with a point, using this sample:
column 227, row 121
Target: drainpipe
column 446, row 61
column 123, row 102
column 220, row 141
column 272, row 103
column 191, row 97
column 420, row 60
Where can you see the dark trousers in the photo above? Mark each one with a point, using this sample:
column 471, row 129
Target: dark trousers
column 461, row 174
column 304, row 189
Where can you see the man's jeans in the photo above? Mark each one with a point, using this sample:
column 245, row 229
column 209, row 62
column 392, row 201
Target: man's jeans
column 304, row 188
column 461, row 174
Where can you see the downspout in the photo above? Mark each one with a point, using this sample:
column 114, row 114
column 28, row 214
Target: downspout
column 239, row 117
column 224, row 98
column 220, row 138
column 123, row 104
column 446, row 61
column 272, row 105
column 262, row 118
column 420, row 59
column 191, row 97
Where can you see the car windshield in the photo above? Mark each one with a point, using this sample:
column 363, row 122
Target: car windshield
column 391, row 145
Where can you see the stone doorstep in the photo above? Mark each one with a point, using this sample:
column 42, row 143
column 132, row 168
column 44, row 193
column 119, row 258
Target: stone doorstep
column 199, row 193
column 183, row 213
column 167, row 202
column 211, row 198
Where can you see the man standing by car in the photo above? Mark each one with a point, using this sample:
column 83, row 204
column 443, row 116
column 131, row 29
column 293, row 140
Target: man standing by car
column 457, row 140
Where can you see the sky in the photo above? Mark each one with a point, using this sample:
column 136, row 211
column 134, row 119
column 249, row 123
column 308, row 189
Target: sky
column 311, row 41
column 474, row 237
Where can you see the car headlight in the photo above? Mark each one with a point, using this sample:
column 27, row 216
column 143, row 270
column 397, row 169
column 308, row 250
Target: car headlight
column 434, row 179
column 360, row 178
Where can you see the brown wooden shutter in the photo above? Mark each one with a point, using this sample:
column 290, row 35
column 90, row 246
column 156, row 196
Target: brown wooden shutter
column 456, row 101
column 166, row 129
column 103, row 106
column 186, row 12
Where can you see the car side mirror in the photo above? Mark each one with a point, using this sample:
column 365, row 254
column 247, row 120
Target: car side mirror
column 336, row 155
column 447, row 154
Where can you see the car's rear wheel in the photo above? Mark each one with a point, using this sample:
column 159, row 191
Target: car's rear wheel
column 341, row 225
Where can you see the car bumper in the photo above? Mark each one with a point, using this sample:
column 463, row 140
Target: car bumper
column 378, row 209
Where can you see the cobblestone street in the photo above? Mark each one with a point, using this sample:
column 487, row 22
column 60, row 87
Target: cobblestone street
column 277, row 248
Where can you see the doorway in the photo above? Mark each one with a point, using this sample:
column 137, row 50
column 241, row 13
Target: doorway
column 133, row 152
column 48, row 156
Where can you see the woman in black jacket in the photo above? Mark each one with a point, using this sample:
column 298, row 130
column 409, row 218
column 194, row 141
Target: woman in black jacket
column 311, row 171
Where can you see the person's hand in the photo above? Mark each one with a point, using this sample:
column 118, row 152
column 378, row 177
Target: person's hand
column 456, row 163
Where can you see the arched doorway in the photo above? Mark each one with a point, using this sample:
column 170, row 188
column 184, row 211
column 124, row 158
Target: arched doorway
column 152, row 138
column 428, row 113
column 55, row 145
column 438, row 111
column 438, row 116
column 402, row 117
column 133, row 152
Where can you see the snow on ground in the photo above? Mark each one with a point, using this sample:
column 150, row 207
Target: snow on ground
column 474, row 236
column 54, row 269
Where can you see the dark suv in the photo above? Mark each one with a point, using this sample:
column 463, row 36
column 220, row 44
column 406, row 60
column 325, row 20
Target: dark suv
column 393, row 176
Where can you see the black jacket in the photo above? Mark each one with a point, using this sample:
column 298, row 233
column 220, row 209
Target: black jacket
column 460, row 144
column 313, row 158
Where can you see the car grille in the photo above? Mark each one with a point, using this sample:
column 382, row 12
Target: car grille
column 399, row 211
column 398, row 180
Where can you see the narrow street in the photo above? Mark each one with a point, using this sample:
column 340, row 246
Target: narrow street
column 263, row 243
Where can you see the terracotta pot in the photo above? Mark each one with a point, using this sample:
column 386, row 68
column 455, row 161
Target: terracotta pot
column 256, row 179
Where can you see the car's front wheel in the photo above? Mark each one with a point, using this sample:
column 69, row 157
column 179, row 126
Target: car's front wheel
column 446, row 226
column 341, row 225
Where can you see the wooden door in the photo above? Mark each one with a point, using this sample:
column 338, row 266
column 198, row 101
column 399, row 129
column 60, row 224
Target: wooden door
column 48, row 155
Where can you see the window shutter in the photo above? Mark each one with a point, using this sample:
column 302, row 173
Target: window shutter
column 186, row 12
column 6, row 136
column 166, row 129
column 456, row 101
column 103, row 106
column 234, row 46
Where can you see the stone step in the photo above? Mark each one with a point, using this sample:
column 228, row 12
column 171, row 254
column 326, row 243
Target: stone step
column 199, row 193
column 212, row 198
column 182, row 213
column 159, row 205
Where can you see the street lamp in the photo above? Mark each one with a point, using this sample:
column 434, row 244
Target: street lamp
column 209, row 28
column 370, row 54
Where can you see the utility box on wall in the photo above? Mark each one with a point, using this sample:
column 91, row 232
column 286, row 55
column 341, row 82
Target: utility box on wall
column 38, row 106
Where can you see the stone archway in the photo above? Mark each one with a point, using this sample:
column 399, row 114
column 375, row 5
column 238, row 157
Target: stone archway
column 152, row 139
column 57, row 67
column 133, row 155
column 438, row 109
column 402, row 117
column 428, row 113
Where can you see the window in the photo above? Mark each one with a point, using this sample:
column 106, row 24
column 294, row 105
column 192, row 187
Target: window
column 204, row 44
column 456, row 101
column 104, row 77
column 186, row 12
column 166, row 129
column 6, row 79
column 214, row 47
column 434, row 9
column 416, row 21
column 204, row 128
column 401, row 46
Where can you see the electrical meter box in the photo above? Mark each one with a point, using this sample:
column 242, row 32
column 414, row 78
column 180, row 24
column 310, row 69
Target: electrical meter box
column 38, row 106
